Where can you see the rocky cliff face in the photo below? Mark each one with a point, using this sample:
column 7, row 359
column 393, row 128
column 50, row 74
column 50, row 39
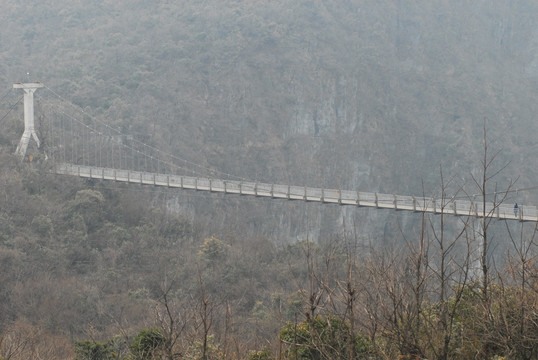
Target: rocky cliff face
column 369, row 96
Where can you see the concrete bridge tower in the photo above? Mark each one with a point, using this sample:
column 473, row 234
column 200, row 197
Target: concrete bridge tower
column 29, row 128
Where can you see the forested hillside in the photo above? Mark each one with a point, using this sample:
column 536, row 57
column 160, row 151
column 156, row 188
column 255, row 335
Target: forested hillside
column 372, row 97
column 388, row 96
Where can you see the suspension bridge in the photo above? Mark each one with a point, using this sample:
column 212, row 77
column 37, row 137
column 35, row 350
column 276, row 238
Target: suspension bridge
column 84, row 146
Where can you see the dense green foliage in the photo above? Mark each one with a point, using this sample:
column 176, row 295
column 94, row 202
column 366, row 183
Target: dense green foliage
column 147, row 344
column 94, row 350
column 322, row 338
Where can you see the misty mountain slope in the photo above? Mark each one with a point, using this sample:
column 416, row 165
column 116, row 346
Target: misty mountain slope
column 357, row 95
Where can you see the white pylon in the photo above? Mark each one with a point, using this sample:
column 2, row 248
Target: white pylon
column 29, row 129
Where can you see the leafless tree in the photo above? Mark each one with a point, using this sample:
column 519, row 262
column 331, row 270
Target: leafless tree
column 517, row 325
column 171, row 318
column 482, row 184
column 203, row 317
column 450, row 275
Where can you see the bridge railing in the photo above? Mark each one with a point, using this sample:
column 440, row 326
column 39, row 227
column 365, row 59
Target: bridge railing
column 291, row 192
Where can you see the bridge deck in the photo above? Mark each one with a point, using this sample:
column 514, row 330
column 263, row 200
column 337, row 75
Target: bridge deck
column 291, row 192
